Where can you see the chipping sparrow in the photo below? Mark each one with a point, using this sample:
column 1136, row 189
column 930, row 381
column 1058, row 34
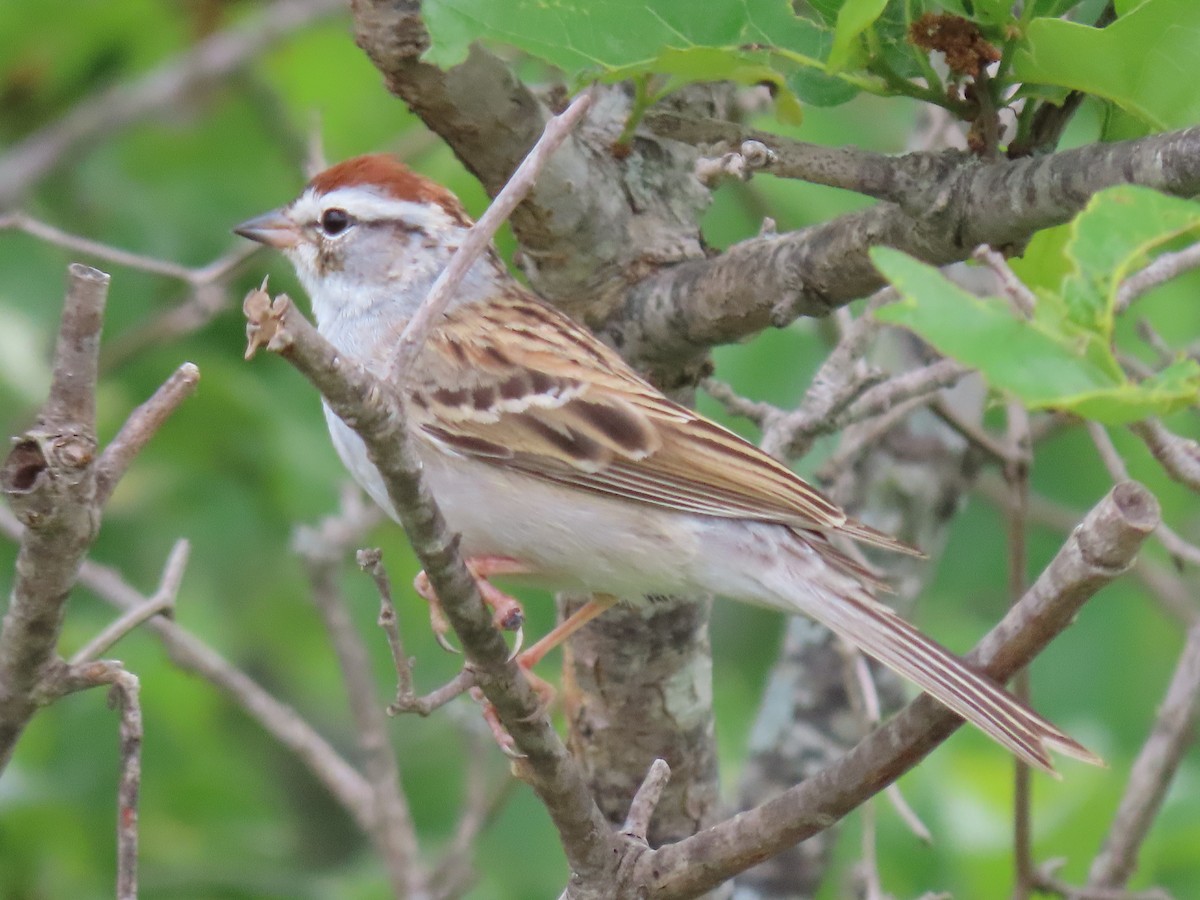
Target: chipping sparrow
column 553, row 458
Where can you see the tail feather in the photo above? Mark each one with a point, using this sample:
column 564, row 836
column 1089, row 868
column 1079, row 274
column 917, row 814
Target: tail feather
column 879, row 632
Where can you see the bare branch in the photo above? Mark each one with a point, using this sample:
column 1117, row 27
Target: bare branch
column 406, row 700
column 19, row 221
column 900, row 388
column 1099, row 550
column 1022, row 298
column 1153, row 771
column 1165, row 267
column 479, row 238
column 162, row 601
column 393, row 832
column 124, row 696
column 48, row 478
column 872, row 174
column 141, row 425
column 678, row 312
column 1181, row 549
column 1016, row 475
column 1174, row 596
column 72, row 400
column 60, row 679
column 357, row 397
column 735, row 404
column 454, row 872
column 1178, row 455
column 645, row 801
column 191, row 654
column 111, row 110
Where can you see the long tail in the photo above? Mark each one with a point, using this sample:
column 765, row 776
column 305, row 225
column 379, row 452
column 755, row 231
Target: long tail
column 845, row 607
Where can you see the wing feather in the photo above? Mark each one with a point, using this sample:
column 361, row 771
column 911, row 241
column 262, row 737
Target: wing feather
column 534, row 391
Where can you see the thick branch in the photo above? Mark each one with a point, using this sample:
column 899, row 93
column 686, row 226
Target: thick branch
column 360, row 399
column 770, row 280
column 49, row 481
column 1100, row 549
column 594, row 216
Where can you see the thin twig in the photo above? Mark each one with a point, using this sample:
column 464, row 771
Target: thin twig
column 162, row 601
column 863, row 692
column 124, row 696
column 1023, row 300
column 1179, row 456
column 842, row 377
column 1153, row 771
column 1173, row 595
column 908, row 385
column 453, row 873
column 141, row 425
column 1174, row 543
column 109, row 111
column 106, row 253
column 393, row 832
column 60, row 679
column 645, row 800
column 406, row 700
column 480, row 236
column 371, row 562
column 973, row 433
column 191, row 654
column 735, row 404
column 1048, row 882
column 1165, row 267
column 1016, row 475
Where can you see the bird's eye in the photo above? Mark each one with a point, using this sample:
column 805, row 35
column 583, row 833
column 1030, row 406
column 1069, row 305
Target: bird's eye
column 335, row 221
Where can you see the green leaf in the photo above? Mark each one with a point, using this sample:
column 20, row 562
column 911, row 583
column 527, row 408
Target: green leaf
column 1147, row 62
column 1046, row 363
column 1113, row 237
column 855, row 17
column 994, row 12
column 763, row 41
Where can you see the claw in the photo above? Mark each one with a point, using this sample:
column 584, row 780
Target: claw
column 518, row 643
column 444, row 642
column 503, row 739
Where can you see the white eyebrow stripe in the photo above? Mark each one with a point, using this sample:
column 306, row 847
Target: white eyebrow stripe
column 367, row 205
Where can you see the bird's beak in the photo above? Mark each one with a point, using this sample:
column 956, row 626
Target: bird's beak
column 274, row 229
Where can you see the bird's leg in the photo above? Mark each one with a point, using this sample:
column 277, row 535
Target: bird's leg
column 507, row 614
column 530, row 658
column 564, row 629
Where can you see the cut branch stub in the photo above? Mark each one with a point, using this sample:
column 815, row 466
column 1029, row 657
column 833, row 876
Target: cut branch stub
column 43, row 468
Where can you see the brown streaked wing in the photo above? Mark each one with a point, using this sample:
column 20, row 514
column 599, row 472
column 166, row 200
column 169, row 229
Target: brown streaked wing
column 520, row 375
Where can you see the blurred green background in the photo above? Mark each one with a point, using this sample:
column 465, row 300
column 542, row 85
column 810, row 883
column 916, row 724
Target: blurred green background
column 226, row 813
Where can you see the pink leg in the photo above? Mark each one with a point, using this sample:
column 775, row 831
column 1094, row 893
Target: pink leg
column 565, row 629
column 507, row 614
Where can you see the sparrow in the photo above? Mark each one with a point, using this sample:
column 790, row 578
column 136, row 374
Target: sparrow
column 554, row 460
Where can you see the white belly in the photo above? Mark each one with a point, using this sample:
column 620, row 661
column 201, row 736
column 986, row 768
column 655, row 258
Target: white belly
column 580, row 542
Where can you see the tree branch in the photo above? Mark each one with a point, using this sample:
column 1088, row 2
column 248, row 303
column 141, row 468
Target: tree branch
column 357, row 397
column 1153, row 771
column 49, row 480
column 1100, row 549
column 111, row 110
column 683, row 310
